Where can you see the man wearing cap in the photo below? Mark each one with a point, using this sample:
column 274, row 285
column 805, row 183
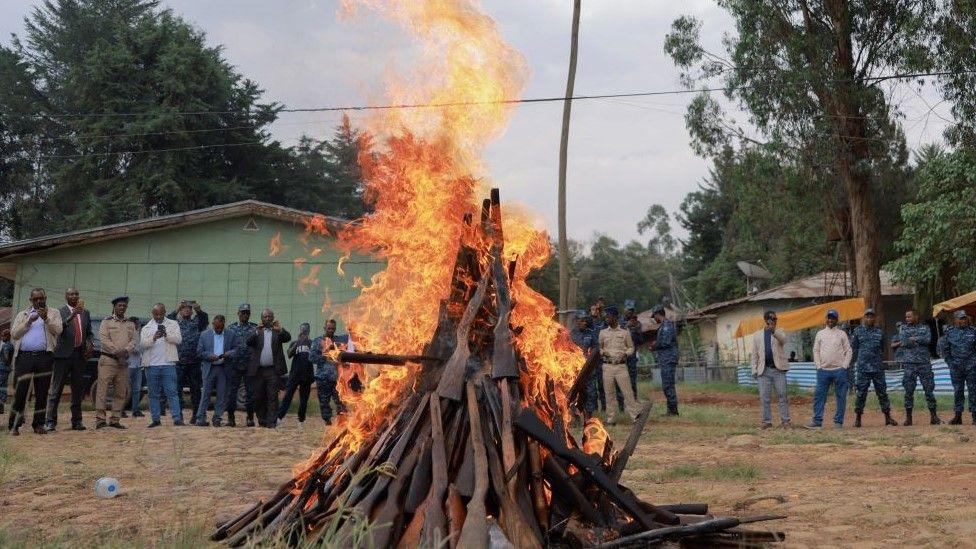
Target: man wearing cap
column 769, row 367
column 832, row 355
column 913, row 343
column 637, row 335
column 118, row 338
column 586, row 340
column 615, row 347
column 238, row 333
column 597, row 322
column 192, row 321
column 666, row 348
column 867, row 347
column 74, row 345
column 958, row 348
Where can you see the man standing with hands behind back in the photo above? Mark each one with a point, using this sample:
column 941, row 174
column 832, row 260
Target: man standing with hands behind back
column 769, row 367
column 118, row 338
column 267, row 366
column 35, row 331
column 74, row 347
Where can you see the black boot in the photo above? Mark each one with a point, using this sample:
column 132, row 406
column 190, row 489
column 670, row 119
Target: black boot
column 956, row 419
column 857, row 419
column 974, row 418
column 935, row 418
column 889, row 420
column 908, row 417
column 231, row 420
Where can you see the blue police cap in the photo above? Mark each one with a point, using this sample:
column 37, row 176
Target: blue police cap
column 120, row 299
column 612, row 310
column 869, row 311
column 581, row 314
column 630, row 304
column 244, row 307
column 832, row 313
column 961, row 313
column 658, row 310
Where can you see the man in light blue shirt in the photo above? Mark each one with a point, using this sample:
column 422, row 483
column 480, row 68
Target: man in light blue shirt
column 215, row 350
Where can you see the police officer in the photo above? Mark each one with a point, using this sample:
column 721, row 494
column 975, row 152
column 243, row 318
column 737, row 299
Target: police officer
column 597, row 323
column 586, row 340
column 637, row 335
column 192, row 321
column 913, row 340
column 958, row 348
column 238, row 332
column 327, row 369
column 666, row 348
column 867, row 344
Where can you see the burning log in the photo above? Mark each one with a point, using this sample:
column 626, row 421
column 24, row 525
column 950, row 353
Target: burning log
column 472, row 448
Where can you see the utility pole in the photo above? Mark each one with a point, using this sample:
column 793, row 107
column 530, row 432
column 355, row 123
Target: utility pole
column 563, row 146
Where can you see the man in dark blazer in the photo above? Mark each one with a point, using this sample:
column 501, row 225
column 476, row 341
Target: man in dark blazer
column 74, row 346
column 267, row 366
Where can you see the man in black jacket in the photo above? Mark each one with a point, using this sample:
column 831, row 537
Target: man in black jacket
column 73, row 348
column 267, row 366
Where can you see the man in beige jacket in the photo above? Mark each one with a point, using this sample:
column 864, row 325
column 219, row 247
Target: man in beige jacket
column 615, row 346
column 832, row 354
column 769, row 366
column 118, row 338
column 35, row 332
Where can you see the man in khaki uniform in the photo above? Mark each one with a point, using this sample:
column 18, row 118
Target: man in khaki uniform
column 118, row 337
column 615, row 346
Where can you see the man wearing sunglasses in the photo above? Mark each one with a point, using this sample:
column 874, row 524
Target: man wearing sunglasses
column 769, row 366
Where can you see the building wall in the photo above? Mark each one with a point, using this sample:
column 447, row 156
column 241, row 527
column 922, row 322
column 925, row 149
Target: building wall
column 218, row 263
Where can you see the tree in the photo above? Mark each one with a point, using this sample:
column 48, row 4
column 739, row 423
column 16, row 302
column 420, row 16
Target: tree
column 808, row 74
column 705, row 215
column 657, row 222
column 938, row 243
column 956, row 56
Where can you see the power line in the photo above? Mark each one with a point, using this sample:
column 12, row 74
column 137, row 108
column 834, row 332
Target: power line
column 532, row 100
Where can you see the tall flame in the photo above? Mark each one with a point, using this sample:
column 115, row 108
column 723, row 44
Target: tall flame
column 428, row 173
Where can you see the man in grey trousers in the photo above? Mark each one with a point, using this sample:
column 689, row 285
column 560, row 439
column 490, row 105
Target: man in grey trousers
column 769, row 366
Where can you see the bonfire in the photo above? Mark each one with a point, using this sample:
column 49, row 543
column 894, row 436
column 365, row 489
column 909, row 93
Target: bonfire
column 461, row 432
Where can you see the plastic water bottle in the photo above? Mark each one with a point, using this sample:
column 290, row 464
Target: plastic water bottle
column 107, row 487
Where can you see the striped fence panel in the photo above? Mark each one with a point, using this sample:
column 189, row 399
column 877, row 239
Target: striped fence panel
column 804, row 375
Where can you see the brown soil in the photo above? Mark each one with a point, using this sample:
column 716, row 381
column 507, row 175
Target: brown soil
column 869, row 487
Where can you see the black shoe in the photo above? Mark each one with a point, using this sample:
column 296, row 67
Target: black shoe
column 889, row 420
column 179, row 424
column 908, row 417
column 231, row 421
column 328, row 421
column 250, row 422
column 154, row 424
column 138, row 413
column 100, row 424
column 124, row 414
column 673, row 413
column 50, row 427
column 39, row 430
column 202, row 424
column 78, row 426
column 974, row 418
column 216, row 422
column 857, row 420
column 116, row 425
column 15, row 432
column 956, row 419
column 934, row 420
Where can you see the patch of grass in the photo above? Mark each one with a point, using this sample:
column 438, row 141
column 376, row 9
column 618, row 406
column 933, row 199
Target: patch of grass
column 709, row 415
column 734, row 471
column 905, row 459
column 685, row 470
column 8, row 459
column 796, row 436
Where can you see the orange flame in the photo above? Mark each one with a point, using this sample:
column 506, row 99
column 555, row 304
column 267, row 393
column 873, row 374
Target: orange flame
column 275, row 246
column 311, row 279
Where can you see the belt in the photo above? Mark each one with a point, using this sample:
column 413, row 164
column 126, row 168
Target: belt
column 615, row 363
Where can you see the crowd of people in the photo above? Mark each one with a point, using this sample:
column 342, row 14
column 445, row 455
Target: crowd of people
column 858, row 357
column 47, row 348
column 613, row 386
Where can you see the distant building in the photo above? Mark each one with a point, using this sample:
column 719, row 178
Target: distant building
column 219, row 256
column 718, row 322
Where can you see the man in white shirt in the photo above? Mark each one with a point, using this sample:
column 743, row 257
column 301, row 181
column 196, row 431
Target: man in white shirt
column 160, row 337
column 832, row 354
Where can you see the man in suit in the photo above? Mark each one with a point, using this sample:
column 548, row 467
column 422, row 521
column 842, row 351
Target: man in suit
column 769, row 366
column 73, row 348
column 35, row 332
column 216, row 349
column 267, row 365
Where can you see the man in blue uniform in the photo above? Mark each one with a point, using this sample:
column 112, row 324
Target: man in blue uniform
column 585, row 339
column 597, row 323
column 327, row 368
column 237, row 369
column 193, row 321
column 958, row 348
column 913, row 342
column 666, row 348
column 867, row 345
column 637, row 335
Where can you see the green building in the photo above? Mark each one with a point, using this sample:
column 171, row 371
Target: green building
column 219, row 256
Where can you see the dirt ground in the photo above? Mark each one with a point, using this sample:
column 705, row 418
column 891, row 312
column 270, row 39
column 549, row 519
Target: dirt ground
column 869, row 487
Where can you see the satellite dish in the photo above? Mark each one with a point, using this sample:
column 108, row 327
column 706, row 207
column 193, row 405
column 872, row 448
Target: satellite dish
column 752, row 270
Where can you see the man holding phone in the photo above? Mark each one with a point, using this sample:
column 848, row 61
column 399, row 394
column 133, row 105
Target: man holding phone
column 267, row 366
column 73, row 349
column 35, row 331
column 769, row 367
column 215, row 350
column 192, row 320
column 160, row 337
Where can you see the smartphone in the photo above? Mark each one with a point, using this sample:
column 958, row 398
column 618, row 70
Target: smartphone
column 160, row 329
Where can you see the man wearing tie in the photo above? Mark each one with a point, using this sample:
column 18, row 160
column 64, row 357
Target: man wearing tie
column 72, row 350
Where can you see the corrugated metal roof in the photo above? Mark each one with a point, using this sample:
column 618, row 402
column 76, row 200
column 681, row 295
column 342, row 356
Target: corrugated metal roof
column 822, row 285
column 129, row 228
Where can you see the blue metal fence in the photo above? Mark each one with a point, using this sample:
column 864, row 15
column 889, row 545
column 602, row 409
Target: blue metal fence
column 804, row 375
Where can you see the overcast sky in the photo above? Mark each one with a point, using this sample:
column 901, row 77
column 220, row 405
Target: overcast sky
column 624, row 154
